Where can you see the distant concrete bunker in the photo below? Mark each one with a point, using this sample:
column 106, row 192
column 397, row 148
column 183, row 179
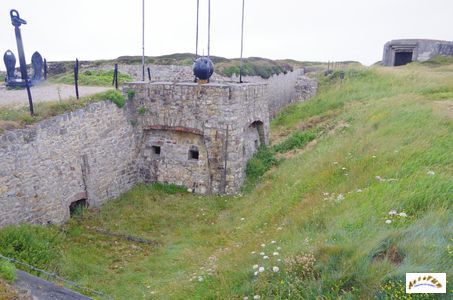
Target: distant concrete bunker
column 402, row 52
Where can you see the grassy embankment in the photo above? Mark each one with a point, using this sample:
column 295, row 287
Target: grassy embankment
column 12, row 117
column 383, row 143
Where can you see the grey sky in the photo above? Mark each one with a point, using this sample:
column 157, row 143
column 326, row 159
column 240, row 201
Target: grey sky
column 304, row 30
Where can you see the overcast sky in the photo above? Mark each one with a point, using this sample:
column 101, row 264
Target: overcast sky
column 316, row 30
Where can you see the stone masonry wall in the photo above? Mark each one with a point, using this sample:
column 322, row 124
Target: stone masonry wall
column 86, row 154
column 213, row 118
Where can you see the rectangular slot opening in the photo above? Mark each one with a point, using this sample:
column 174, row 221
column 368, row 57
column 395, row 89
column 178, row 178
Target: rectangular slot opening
column 194, row 154
column 155, row 150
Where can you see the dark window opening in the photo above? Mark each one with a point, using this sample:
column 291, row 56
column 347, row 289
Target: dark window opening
column 403, row 58
column 257, row 144
column 76, row 208
column 194, row 154
column 156, row 150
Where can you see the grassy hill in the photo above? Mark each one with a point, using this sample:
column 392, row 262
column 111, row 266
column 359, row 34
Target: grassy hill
column 253, row 66
column 355, row 191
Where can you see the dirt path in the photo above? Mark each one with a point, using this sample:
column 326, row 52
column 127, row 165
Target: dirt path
column 44, row 93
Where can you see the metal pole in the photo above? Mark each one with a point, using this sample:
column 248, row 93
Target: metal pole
column 45, row 69
column 149, row 74
column 242, row 42
column 196, row 38
column 76, row 77
column 209, row 28
column 143, row 40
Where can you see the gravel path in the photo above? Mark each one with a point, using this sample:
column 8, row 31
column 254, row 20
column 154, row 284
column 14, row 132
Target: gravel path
column 45, row 92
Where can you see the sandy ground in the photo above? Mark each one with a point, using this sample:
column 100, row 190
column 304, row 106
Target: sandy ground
column 44, row 93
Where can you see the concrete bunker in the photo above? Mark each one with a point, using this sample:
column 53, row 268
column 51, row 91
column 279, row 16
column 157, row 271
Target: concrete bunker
column 402, row 52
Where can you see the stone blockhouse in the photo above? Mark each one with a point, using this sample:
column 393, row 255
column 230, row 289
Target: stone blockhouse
column 199, row 136
column 401, row 52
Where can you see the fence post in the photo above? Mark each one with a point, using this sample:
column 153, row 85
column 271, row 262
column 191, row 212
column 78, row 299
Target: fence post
column 76, row 77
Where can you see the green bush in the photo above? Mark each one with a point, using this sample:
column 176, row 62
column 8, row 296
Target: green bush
column 116, row 97
column 37, row 246
column 141, row 110
column 7, row 271
column 295, row 141
column 260, row 163
column 130, row 95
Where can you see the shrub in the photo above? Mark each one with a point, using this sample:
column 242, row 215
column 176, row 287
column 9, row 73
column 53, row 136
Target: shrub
column 37, row 246
column 259, row 164
column 295, row 141
column 141, row 110
column 7, row 271
column 116, row 97
column 130, row 95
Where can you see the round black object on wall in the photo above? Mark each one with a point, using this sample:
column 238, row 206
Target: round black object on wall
column 203, row 68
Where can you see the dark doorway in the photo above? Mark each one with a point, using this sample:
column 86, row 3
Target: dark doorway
column 76, row 208
column 403, row 58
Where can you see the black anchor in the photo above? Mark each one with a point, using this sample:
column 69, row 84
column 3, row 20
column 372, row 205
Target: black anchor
column 17, row 22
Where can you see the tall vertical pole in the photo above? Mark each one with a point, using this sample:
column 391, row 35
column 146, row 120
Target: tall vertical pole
column 209, row 28
column 242, row 42
column 143, row 40
column 196, row 36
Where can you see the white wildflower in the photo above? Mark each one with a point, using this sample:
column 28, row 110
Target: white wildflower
column 335, row 163
column 275, row 269
column 388, row 221
column 374, row 156
column 200, row 278
column 273, row 242
column 265, row 257
column 256, row 273
column 344, row 168
column 246, row 298
column 242, row 219
column 255, row 267
column 263, row 245
column 279, row 260
column 359, row 190
column 325, row 194
column 431, row 173
column 253, row 252
column 189, row 190
column 262, row 253
column 256, row 297
column 275, row 254
column 279, row 228
column 379, row 178
column 340, row 198
column 279, row 248
column 403, row 214
column 393, row 212
column 261, row 269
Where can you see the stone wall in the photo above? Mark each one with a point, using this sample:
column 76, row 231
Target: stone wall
column 285, row 89
column 86, row 154
column 213, row 119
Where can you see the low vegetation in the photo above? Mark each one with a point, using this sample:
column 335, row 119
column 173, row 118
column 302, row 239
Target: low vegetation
column 343, row 219
column 92, row 78
column 11, row 118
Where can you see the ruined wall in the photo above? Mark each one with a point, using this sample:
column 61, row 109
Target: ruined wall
column 175, row 115
column 86, row 154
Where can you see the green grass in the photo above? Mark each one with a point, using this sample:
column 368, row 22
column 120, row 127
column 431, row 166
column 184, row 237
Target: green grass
column 7, row 271
column 323, row 206
column 19, row 117
column 92, row 78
